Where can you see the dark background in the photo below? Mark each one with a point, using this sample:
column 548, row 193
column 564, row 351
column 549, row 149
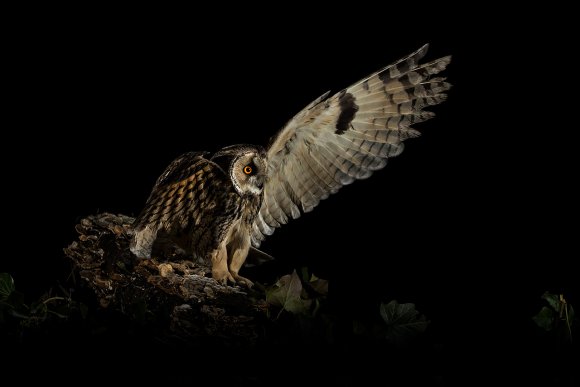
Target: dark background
column 473, row 222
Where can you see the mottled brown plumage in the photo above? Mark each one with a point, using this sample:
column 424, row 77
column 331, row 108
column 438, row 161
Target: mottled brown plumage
column 195, row 203
column 216, row 207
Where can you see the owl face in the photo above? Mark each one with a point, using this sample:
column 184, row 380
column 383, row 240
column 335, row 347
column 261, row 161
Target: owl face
column 248, row 172
column 246, row 165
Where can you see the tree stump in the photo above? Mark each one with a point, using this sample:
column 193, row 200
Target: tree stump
column 170, row 290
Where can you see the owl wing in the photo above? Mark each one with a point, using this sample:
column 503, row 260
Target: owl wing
column 180, row 196
column 337, row 140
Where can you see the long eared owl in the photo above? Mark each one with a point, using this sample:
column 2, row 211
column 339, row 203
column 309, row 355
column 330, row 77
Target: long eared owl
column 219, row 206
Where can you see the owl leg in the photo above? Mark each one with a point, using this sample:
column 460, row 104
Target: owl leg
column 219, row 270
column 237, row 259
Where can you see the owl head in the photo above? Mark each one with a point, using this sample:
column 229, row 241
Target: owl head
column 246, row 166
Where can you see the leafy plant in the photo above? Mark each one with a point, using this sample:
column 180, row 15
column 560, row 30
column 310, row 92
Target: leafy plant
column 557, row 316
column 402, row 320
column 290, row 294
column 6, row 286
column 303, row 297
column 14, row 307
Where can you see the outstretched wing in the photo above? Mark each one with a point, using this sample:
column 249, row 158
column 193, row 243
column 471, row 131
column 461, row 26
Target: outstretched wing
column 179, row 197
column 336, row 140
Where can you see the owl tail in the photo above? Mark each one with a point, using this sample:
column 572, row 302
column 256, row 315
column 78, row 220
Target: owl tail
column 142, row 241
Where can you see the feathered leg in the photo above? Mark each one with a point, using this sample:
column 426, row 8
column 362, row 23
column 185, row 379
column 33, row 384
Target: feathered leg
column 219, row 270
column 237, row 257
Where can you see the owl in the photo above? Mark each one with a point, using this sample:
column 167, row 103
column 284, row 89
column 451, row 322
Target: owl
column 219, row 206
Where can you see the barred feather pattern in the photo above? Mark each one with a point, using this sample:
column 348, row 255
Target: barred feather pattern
column 346, row 137
column 193, row 201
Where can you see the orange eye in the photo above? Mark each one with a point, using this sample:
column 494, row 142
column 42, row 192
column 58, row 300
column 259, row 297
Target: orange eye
column 247, row 169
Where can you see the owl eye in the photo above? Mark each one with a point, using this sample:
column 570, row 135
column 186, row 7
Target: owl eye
column 248, row 170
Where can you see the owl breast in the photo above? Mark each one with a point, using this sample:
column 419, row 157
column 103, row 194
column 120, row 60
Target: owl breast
column 250, row 206
column 229, row 227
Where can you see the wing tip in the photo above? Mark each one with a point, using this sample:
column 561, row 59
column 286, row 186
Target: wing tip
column 442, row 62
column 422, row 50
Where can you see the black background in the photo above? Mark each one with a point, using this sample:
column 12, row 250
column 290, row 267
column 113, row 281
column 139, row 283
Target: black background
column 473, row 222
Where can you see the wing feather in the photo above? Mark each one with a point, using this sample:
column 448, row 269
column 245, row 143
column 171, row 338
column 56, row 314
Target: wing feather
column 334, row 167
column 337, row 140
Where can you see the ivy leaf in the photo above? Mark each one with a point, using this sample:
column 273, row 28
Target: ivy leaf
column 403, row 321
column 286, row 294
column 545, row 318
column 319, row 285
column 6, row 286
column 552, row 299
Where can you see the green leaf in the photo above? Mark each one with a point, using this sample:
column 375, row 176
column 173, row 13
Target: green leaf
column 6, row 286
column 403, row 321
column 545, row 318
column 319, row 285
column 394, row 311
column 553, row 300
column 286, row 294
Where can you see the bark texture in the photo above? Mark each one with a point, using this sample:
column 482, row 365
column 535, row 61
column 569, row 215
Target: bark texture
column 169, row 290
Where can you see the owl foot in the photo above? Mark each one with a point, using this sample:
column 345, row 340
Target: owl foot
column 242, row 280
column 222, row 277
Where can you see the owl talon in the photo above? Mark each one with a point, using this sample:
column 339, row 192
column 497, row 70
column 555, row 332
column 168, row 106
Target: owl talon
column 223, row 278
column 242, row 280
